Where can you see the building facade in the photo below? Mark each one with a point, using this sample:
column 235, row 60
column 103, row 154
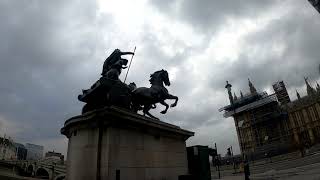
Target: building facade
column 21, row 151
column 260, row 122
column 273, row 124
column 56, row 155
column 34, row 152
column 304, row 117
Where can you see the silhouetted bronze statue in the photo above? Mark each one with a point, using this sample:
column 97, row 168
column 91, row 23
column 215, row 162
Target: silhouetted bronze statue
column 145, row 98
column 113, row 65
column 110, row 91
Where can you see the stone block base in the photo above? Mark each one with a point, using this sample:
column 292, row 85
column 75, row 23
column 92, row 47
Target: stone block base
column 112, row 143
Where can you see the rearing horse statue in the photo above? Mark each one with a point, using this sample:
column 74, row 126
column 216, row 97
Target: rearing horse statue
column 145, row 98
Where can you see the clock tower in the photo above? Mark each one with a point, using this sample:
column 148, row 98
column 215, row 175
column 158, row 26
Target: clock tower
column 281, row 92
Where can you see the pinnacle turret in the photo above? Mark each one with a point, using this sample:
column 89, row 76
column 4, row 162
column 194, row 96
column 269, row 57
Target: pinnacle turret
column 310, row 90
column 252, row 88
column 235, row 97
column 298, row 95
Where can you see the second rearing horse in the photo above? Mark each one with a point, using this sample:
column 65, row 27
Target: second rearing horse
column 144, row 98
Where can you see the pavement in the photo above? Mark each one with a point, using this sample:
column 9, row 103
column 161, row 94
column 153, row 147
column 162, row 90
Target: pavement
column 311, row 172
column 293, row 168
column 240, row 177
column 8, row 174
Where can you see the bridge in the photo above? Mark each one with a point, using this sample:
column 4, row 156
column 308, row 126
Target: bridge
column 44, row 169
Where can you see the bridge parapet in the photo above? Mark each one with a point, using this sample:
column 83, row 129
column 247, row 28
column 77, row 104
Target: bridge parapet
column 39, row 168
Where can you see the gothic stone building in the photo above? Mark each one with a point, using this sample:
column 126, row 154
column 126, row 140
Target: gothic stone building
column 260, row 121
column 273, row 124
column 304, row 117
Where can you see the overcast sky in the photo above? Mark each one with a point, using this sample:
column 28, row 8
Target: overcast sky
column 50, row 50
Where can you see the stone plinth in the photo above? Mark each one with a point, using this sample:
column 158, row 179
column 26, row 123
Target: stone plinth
column 112, row 143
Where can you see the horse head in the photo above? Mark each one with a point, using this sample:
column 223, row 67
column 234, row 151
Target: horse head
column 165, row 77
column 160, row 77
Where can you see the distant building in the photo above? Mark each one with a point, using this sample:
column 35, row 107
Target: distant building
column 52, row 154
column 35, row 152
column 259, row 122
column 304, row 117
column 272, row 124
column 21, row 151
column 315, row 4
column 7, row 149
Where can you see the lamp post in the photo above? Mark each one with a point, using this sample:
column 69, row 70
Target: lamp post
column 217, row 161
column 234, row 165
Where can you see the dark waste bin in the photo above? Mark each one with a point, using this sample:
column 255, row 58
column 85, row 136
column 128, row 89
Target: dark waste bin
column 198, row 162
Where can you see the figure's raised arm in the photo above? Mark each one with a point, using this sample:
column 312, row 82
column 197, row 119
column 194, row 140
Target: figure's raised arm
column 126, row 53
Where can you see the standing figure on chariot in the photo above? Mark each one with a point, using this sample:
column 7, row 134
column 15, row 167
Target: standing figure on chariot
column 115, row 62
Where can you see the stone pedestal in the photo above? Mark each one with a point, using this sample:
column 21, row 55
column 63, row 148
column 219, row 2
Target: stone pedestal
column 115, row 144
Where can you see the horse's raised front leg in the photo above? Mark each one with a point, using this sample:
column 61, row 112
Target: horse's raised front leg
column 146, row 111
column 166, row 105
column 173, row 97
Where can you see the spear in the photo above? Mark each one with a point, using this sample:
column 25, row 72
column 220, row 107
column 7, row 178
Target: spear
column 130, row 64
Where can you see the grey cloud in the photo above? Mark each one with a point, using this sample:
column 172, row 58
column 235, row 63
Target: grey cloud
column 192, row 111
column 42, row 45
column 51, row 50
column 208, row 15
column 300, row 58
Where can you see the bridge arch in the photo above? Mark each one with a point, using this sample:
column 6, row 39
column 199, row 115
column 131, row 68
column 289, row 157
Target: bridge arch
column 42, row 173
